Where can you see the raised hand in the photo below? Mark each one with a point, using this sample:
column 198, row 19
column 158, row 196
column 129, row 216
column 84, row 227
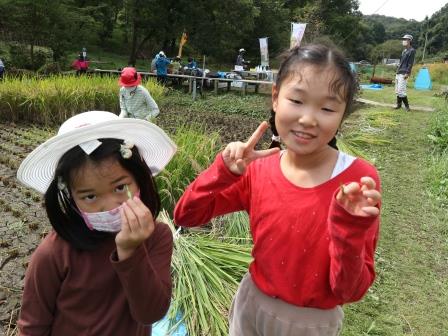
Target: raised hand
column 238, row 155
column 360, row 199
column 137, row 224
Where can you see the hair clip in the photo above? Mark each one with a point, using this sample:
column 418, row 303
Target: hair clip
column 62, row 186
column 276, row 138
column 125, row 149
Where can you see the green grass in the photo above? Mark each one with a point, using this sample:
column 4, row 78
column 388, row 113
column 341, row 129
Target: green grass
column 410, row 294
column 416, row 97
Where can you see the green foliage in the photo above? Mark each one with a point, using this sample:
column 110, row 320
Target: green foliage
column 437, row 178
column 54, row 99
column 438, row 135
column 234, row 227
column 21, row 54
column 387, row 49
column 206, row 272
column 196, row 150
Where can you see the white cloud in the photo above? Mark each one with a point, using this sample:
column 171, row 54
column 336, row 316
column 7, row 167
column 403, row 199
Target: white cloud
column 407, row 9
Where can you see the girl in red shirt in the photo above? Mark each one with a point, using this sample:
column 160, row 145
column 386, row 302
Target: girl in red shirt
column 314, row 211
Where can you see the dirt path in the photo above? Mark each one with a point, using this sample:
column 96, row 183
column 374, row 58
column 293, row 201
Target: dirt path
column 410, row 296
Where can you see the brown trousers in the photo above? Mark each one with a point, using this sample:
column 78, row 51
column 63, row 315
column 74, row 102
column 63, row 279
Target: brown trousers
column 255, row 314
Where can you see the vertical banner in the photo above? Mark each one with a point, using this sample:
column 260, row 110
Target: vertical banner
column 297, row 31
column 264, row 51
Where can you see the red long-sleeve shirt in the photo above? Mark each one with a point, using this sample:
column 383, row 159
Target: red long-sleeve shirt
column 308, row 250
column 71, row 292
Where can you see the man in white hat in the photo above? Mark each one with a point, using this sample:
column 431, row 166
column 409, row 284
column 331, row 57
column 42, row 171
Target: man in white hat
column 403, row 72
column 240, row 58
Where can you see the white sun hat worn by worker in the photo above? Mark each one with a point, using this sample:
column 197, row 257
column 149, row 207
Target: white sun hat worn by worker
column 154, row 145
column 242, row 50
column 407, row 37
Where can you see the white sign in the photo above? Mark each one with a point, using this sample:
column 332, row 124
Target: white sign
column 264, row 51
column 297, row 31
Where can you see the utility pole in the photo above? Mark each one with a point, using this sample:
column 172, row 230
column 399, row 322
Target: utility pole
column 426, row 38
column 424, row 47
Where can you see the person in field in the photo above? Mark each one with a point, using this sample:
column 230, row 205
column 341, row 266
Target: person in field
column 135, row 99
column 314, row 210
column 104, row 268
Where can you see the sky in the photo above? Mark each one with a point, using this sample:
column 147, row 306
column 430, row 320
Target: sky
column 407, row 9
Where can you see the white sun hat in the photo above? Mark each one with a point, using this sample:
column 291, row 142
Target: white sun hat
column 84, row 129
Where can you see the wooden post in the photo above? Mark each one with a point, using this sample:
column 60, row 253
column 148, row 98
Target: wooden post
column 244, row 88
column 216, row 85
column 190, row 84
column 228, row 85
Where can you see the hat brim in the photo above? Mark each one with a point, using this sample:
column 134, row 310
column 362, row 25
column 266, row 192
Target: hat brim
column 133, row 83
column 155, row 147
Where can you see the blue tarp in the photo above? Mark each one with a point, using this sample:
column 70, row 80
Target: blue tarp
column 371, row 86
column 161, row 328
column 423, row 80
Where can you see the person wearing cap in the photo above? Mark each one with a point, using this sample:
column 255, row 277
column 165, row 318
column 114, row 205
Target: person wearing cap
column 191, row 63
column 105, row 268
column 240, row 58
column 403, row 72
column 135, row 100
column 162, row 63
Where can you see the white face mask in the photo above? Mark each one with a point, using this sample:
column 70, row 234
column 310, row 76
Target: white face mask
column 107, row 221
column 405, row 43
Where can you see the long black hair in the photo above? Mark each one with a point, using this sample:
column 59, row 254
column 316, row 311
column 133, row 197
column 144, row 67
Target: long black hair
column 61, row 209
column 321, row 55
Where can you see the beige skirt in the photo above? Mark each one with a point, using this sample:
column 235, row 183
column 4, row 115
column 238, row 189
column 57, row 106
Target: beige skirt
column 255, row 314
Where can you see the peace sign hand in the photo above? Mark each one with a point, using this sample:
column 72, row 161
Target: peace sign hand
column 360, row 199
column 238, row 155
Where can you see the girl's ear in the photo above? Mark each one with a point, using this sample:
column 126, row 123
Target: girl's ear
column 274, row 97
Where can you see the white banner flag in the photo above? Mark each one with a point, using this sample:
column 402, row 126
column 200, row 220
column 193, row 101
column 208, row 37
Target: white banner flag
column 297, row 31
column 264, row 51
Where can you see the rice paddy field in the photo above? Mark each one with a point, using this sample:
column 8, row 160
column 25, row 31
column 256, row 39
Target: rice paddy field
column 410, row 294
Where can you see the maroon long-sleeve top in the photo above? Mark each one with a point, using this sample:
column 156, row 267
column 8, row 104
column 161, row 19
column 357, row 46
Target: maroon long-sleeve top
column 73, row 292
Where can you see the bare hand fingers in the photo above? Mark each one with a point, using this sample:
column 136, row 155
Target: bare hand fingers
column 256, row 136
column 371, row 210
column 351, row 188
column 131, row 217
column 368, row 181
column 141, row 214
column 124, row 221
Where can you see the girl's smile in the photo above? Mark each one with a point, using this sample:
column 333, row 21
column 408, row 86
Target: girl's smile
column 308, row 111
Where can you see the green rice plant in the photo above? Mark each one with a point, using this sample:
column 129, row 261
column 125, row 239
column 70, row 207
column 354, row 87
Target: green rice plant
column 52, row 100
column 206, row 274
column 351, row 148
column 233, row 227
column 438, row 131
column 196, row 150
column 437, row 177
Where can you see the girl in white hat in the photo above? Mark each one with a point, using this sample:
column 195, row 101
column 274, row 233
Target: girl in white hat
column 104, row 269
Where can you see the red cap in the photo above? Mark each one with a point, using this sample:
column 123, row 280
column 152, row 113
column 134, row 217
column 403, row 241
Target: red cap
column 129, row 77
